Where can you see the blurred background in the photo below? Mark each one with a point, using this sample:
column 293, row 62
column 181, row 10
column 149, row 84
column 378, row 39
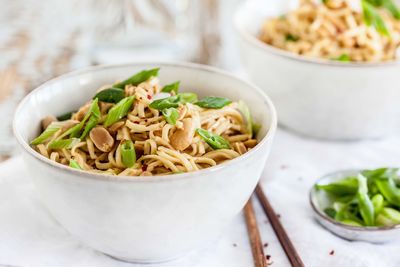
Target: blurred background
column 43, row 39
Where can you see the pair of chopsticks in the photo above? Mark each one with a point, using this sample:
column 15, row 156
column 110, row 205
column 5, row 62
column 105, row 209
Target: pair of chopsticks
column 254, row 233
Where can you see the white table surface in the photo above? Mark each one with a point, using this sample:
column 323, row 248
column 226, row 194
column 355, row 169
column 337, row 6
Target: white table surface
column 29, row 236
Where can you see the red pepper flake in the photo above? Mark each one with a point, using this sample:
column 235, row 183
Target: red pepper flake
column 144, row 167
column 265, row 245
column 149, row 97
column 332, row 252
column 136, row 122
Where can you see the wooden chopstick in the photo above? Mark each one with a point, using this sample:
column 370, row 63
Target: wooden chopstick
column 280, row 232
column 254, row 236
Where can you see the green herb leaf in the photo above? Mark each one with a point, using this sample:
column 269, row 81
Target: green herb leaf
column 120, row 110
column 170, row 115
column 372, row 17
column 64, row 117
column 213, row 102
column 93, row 120
column 110, row 95
column 64, row 143
column 343, row 58
column 213, row 140
column 138, row 78
column 173, row 87
column 49, row 132
column 291, row 38
column 128, row 153
column 74, row 164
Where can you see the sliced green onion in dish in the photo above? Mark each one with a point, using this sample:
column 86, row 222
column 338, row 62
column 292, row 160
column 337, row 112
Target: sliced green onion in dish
column 63, row 143
column 120, row 110
column 343, row 58
column 369, row 198
column 213, row 140
column 173, row 87
column 93, row 120
column 74, row 164
column 76, row 131
column 251, row 127
column 128, row 153
column 65, row 116
column 171, row 115
column 372, row 18
column 213, row 102
column 49, row 132
column 342, row 187
column 291, row 38
column 164, row 103
column 138, row 78
column 187, row 97
column 110, row 95
column 388, row 5
column 173, row 101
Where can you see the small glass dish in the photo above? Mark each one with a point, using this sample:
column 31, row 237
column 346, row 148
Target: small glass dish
column 319, row 200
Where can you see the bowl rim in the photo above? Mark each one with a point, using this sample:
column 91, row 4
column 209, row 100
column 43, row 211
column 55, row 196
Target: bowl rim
column 258, row 44
column 159, row 178
column 323, row 216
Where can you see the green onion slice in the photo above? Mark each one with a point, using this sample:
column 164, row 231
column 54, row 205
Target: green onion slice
column 49, row 132
column 173, row 87
column 74, row 164
column 171, row 115
column 187, row 97
column 252, row 128
column 213, row 102
column 64, row 143
column 120, row 110
column 128, row 153
column 138, row 78
column 110, row 95
column 213, row 140
column 93, row 120
column 372, row 17
column 65, row 116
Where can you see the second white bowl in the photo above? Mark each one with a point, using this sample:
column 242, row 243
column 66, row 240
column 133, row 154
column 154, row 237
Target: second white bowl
column 315, row 97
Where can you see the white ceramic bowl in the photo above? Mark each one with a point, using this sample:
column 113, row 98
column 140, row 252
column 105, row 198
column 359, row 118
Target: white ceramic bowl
column 319, row 200
column 316, row 97
column 144, row 219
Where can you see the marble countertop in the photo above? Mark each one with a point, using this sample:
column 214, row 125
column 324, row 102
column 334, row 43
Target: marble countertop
column 31, row 237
